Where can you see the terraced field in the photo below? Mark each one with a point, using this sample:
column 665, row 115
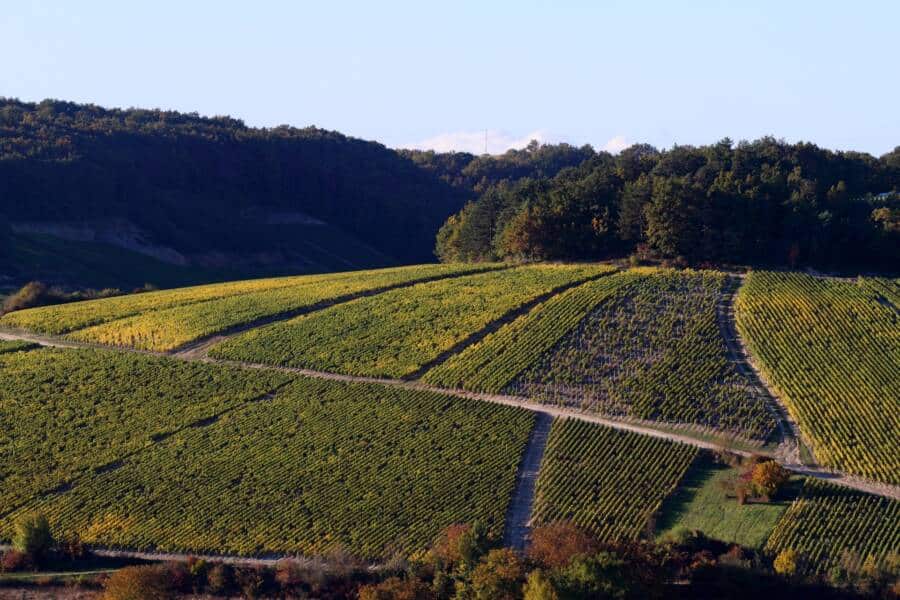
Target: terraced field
column 167, row 319
column 398, row 333
column 644, row 344
column 832, row 526
column 607, row 481
column 64, row 413
column 365, row 466
column 832, row 351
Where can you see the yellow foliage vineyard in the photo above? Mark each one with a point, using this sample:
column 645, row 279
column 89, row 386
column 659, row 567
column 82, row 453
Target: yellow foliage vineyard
column 832, row 351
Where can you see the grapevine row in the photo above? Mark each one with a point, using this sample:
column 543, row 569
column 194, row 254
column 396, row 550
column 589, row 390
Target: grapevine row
column 831, row 526
column 832, row 350
column 363, row 466
column 607, row 481
column 396, row 333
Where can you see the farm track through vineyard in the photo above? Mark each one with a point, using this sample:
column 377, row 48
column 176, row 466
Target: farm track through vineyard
column 788, row 451
column 832, row 476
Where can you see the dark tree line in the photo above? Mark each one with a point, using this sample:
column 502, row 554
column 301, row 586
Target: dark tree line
column 199, row 184
column 195, row 183
column 763, row 202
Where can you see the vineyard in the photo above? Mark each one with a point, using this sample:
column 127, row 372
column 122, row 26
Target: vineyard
column 66, row 412
column 652, row 350
column 166, row 319
column 607, row 481
column 832, row 350
column 831, row 526
column 492, row 363
column 366, row 466
column 397, row 333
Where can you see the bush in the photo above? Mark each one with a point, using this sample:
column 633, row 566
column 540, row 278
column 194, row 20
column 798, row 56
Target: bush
column 600, row 576
column 14, row 561
column 499, row 576
column 769, row 477
column 32, row 536
column 786, row 562
column 556, row 544
column 538, row 587
column 148, row 582
column 251, row 581
column 395, row 588
column 460, row 544
column 220, row 579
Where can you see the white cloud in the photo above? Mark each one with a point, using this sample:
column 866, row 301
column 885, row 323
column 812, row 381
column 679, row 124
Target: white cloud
column 498, row 141
column 616, row 144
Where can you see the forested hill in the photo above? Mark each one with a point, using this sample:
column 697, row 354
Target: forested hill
column 198, row 184
column 765, row 202
column 180, row 185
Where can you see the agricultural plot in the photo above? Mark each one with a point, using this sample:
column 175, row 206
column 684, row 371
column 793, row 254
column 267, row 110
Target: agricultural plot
column 66, row 318
column 607, row 481
column 366, row 466
column 831, row 526
column 832, row 351
column 492, row 363
column 64, row 413
column 398, row 333
column 652, row 350
column 167, row 329
column 704, row 501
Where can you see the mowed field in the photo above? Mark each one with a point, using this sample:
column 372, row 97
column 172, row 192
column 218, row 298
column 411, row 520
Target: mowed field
column 149, row 452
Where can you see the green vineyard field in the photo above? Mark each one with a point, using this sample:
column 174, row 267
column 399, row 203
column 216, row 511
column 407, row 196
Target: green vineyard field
column 832, row 351
column 831, row 526
column 66, row 412
column 166, row 319
column 492, row 363
column 397, row 333
column 607, row 481
column 15, row 346
column 652, row 350
column 368, row 467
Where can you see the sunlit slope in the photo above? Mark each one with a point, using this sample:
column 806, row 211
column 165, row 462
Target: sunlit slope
column 368, row 467
column 164, row 320
column 67, row 412
column 396, row 334
column 832, row 350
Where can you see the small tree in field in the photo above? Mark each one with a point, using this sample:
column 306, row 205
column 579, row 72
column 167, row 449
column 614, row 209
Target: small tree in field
column 32, row 536
column 768, row 478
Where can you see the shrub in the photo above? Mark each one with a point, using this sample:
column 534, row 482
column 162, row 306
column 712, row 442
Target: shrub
column 32, row 536
column 147, row 582
column 15, row 561
column 599, row 576
column 395, row 588
column 556, row 544
column 538, row 587
column 251, row 581
column 220, row 579
column 499, row 576
column 786, row 562
column 460, row 544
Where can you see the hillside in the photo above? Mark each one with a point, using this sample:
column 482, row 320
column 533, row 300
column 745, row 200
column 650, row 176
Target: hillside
column 377, row 411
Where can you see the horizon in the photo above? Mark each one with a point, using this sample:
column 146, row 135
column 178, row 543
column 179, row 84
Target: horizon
column 440, row 77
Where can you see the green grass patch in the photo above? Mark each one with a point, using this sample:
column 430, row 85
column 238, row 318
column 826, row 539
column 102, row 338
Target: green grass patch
column 703, row 502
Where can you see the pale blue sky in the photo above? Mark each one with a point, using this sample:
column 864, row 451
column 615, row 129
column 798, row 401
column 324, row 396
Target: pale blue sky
column 414, row 73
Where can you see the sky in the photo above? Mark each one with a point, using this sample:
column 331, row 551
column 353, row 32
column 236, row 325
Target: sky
column 452, row 75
